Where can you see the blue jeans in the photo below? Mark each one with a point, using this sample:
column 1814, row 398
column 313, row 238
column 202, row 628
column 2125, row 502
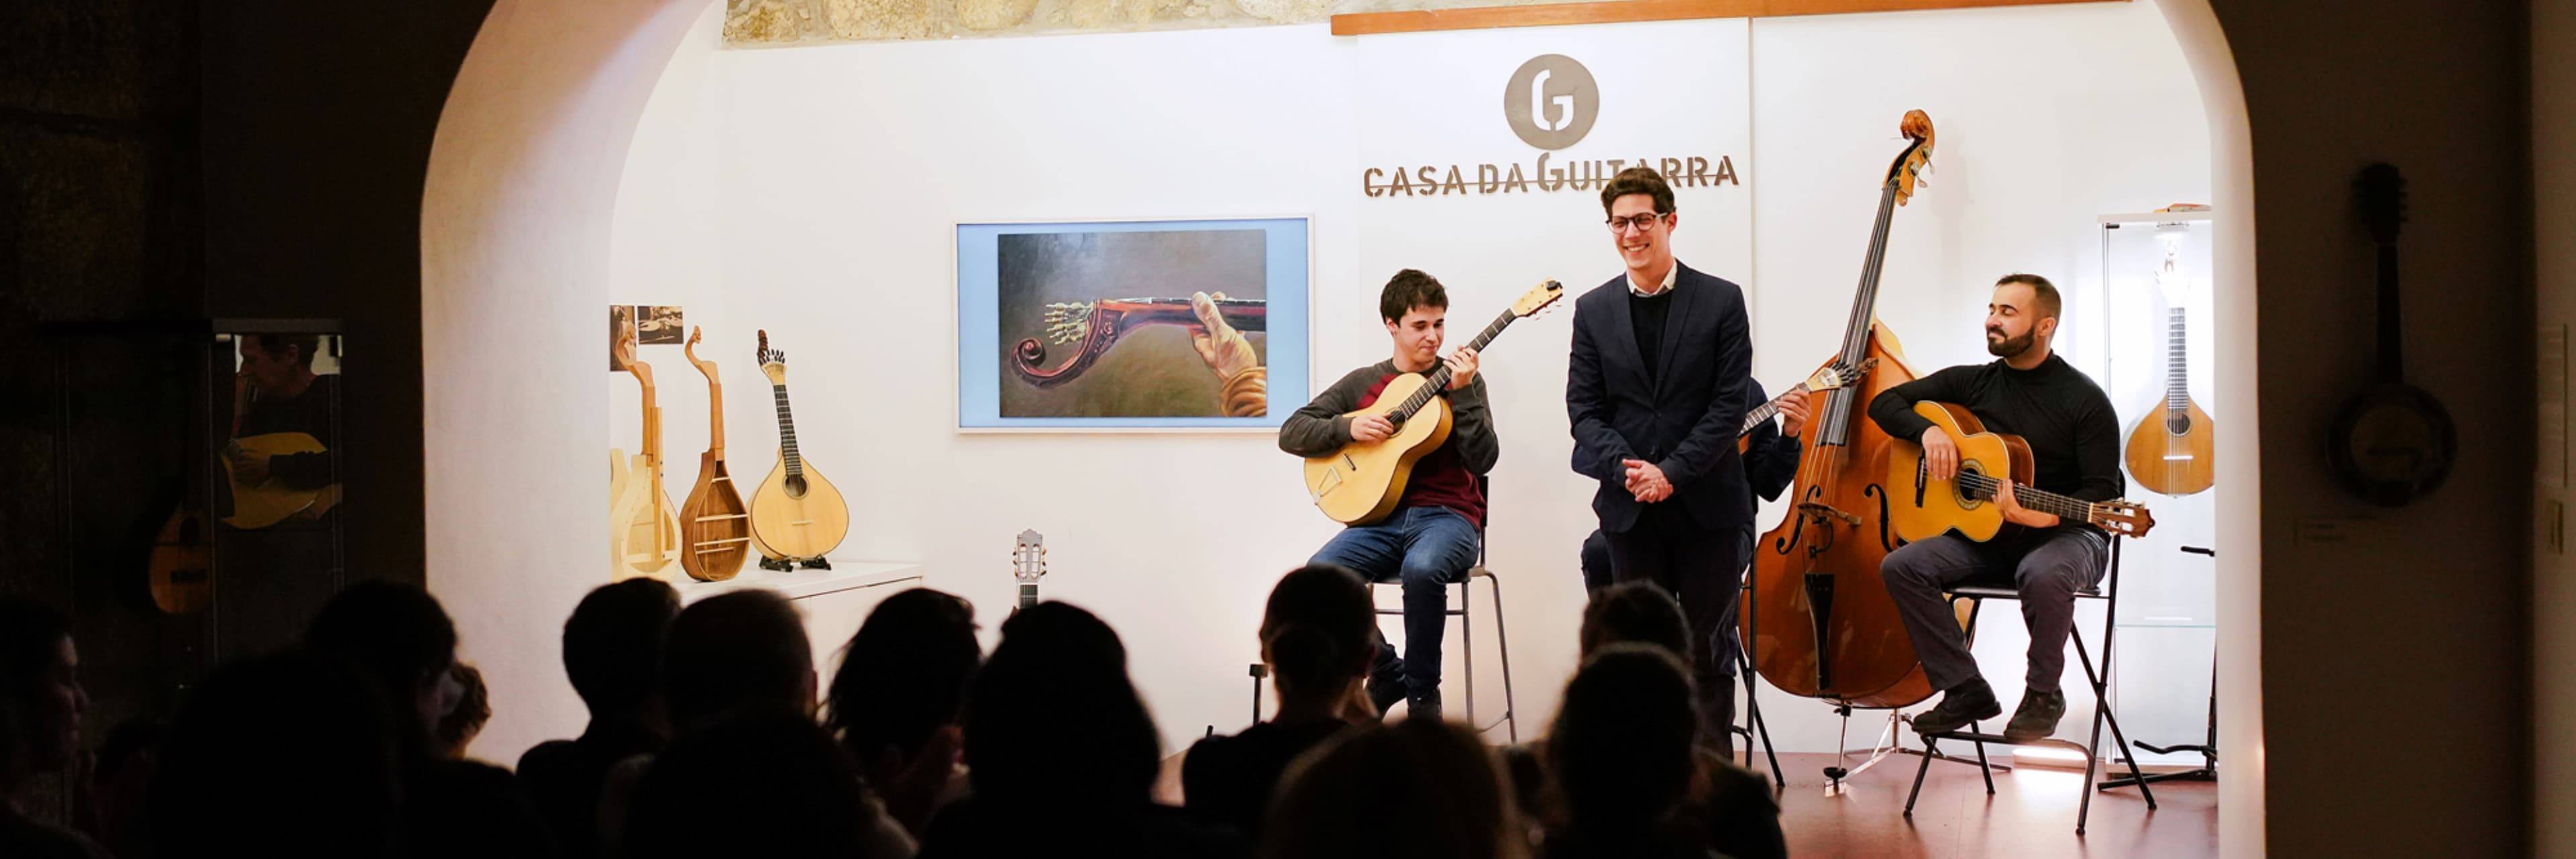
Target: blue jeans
column 1427, row 549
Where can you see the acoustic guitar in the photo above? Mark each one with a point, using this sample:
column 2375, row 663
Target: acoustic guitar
column 1362, row 482
column 715, row 526
column 1028, row 565
column 796, row 516
column 183, row 563
column 1921, row 507
column 2172, row 449
column 270, row 501
column 643, row 533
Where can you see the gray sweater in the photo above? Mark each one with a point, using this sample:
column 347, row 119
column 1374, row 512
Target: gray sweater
column 1324, row 424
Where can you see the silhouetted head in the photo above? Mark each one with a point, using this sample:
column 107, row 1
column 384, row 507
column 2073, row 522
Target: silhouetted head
column 1053, row 725
column 612, row 646
column 41, row 699
column 737, row 652
column 1635, row 613
column 1315, row 631
column 905, row 673
column 396, row 635
column 1417, row 789
column 1622, row 746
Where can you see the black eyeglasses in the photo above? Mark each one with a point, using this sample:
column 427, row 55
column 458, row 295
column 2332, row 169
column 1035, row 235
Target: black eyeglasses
column 1640, row 223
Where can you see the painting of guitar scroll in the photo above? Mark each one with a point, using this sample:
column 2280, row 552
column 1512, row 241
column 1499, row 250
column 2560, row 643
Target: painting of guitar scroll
column 1132, row 324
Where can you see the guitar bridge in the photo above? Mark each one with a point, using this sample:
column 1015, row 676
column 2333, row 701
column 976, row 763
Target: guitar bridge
column 1814, row 510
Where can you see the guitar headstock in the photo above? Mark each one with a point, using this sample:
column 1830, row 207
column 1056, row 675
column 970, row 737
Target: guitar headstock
column 691, row 349
column 1538, row 298
column 1028, row 557
column 1917, row 157
column 2383, row 201
column 1835, row 375
column 773, row 362
column 2123, row 518
column 627, row 361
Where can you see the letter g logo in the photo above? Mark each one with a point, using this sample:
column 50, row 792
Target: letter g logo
column 1551, row 101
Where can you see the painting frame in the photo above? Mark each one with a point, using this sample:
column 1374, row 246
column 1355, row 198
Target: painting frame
column 984, row 366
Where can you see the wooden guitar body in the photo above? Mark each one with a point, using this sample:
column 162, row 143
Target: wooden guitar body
column 715, row 526
column 643, row 533
column 270, row 501
column 183, row 563
column 1824, row 625
column 1931, row 507
column 2171, row 453
column 798, row 517
column 1361, row 483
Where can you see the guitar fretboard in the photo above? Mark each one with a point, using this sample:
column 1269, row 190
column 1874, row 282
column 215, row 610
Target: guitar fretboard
column 1982, row 487
column 787, row 434
column 1765, row 411
column 2177, row 386
column 1028, row 594
column 1439, row 376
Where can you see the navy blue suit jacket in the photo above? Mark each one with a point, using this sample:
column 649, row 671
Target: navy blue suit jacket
column 1684, row 417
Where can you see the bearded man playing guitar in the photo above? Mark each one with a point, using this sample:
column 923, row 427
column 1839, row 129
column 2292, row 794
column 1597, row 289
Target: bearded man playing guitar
column 1431, row 539
column 2075, row 444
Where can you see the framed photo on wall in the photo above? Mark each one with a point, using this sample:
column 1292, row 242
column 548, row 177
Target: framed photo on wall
column 1132, row 325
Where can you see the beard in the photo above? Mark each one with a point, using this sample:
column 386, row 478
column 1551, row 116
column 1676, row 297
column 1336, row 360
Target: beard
column 2009, row 347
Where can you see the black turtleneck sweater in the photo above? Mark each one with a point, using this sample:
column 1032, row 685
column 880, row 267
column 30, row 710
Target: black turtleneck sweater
column 1647, row 312
column 2074, row 436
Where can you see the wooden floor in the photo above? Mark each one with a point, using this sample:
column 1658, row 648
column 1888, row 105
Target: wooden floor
column 2032, row 813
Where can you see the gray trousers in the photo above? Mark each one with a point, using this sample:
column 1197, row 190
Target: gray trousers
column 2047, row 566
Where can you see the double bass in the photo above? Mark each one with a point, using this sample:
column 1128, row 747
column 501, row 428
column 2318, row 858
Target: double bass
column 1823, row 624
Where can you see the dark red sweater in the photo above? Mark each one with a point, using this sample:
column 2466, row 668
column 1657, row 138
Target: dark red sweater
column 1440, row 478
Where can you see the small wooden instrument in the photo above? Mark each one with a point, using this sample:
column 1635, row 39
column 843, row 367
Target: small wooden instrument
column 183, row 563
column 1097, row 325
column 1823, row 625
column 1362, row 482
column 2173, row 448
column 270, row 501
column 643, row 532
column 715, row 526
column 796, row 515
column 1924, row 507
column 2394, row 443
column 1028, row 564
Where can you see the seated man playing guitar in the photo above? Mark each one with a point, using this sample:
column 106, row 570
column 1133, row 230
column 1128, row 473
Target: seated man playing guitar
column 2075, row 443
column 1430, row 541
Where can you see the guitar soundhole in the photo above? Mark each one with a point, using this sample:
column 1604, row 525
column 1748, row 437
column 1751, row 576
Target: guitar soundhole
column 796, row 487
column 1968, row 500
column 2177, row 424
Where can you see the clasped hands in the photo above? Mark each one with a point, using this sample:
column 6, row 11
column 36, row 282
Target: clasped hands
column 1646, row 481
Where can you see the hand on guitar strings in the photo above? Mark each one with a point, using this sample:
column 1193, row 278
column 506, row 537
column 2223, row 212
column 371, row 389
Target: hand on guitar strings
column 1940, row 454
column 1462, row 368
column 2017, row 514
column 1793, row 412
column 249, row 467
column 1372, row 428
column 1646, row 481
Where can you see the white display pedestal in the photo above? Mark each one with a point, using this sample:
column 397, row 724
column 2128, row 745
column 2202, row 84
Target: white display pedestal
column 833, row 601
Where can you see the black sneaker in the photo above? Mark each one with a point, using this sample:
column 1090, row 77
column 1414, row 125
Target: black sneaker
column 1964, row 703
column 2037, row 716
column 1386, row 688
column 1423, row 706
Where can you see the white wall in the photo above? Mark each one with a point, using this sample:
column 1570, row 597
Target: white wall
column 811, row 192
column 2553, row 130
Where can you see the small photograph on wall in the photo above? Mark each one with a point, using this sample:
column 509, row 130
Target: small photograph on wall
column 1170, row 325
column 658, row 325
column 621, row 323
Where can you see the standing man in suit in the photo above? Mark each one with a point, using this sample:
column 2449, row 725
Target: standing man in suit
column 1655, row 391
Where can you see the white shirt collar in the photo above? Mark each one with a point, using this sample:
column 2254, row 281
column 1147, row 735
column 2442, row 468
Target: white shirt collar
column 1670, row 275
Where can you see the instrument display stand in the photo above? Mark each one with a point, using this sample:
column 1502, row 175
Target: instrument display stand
column 2208, row 748
column 786, row 564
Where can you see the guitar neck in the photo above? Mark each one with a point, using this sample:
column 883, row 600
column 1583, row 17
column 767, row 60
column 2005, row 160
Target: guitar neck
column 715, row 416
column 2177, row 385
column 2041, row 500
column 1028, row 595
column 1439, row 376
column 787, row 433
column 1765, row 411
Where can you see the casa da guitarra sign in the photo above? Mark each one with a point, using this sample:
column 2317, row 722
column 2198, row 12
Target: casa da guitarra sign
column 1550, row 103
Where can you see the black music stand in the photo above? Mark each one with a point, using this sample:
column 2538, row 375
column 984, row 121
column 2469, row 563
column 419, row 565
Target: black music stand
column 2208, row 748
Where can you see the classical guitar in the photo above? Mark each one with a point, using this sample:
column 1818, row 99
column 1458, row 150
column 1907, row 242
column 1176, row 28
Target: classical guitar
column 270, row 501
column 1831, row 376
column 2171, row 450
column 1028, row 564
column 643, row 532
column 2394, row 443
column 715, row 526
column 1921, row 507
column 1362, row 482
column 796, row 515
column 183, row 563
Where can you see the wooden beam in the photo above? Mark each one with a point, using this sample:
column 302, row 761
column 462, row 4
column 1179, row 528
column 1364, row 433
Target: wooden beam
column 1622, row 11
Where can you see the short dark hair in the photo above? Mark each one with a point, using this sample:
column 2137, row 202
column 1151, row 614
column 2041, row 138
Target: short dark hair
column 1409, row 289
column 305, row 345
column 394, row 634
column 1621, row 745
column 905, row 673
column 743, row 651
column 612, row 644
column 1635, row 613
column 1638, row 180
column 2043, row 293
column 1315, row 629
